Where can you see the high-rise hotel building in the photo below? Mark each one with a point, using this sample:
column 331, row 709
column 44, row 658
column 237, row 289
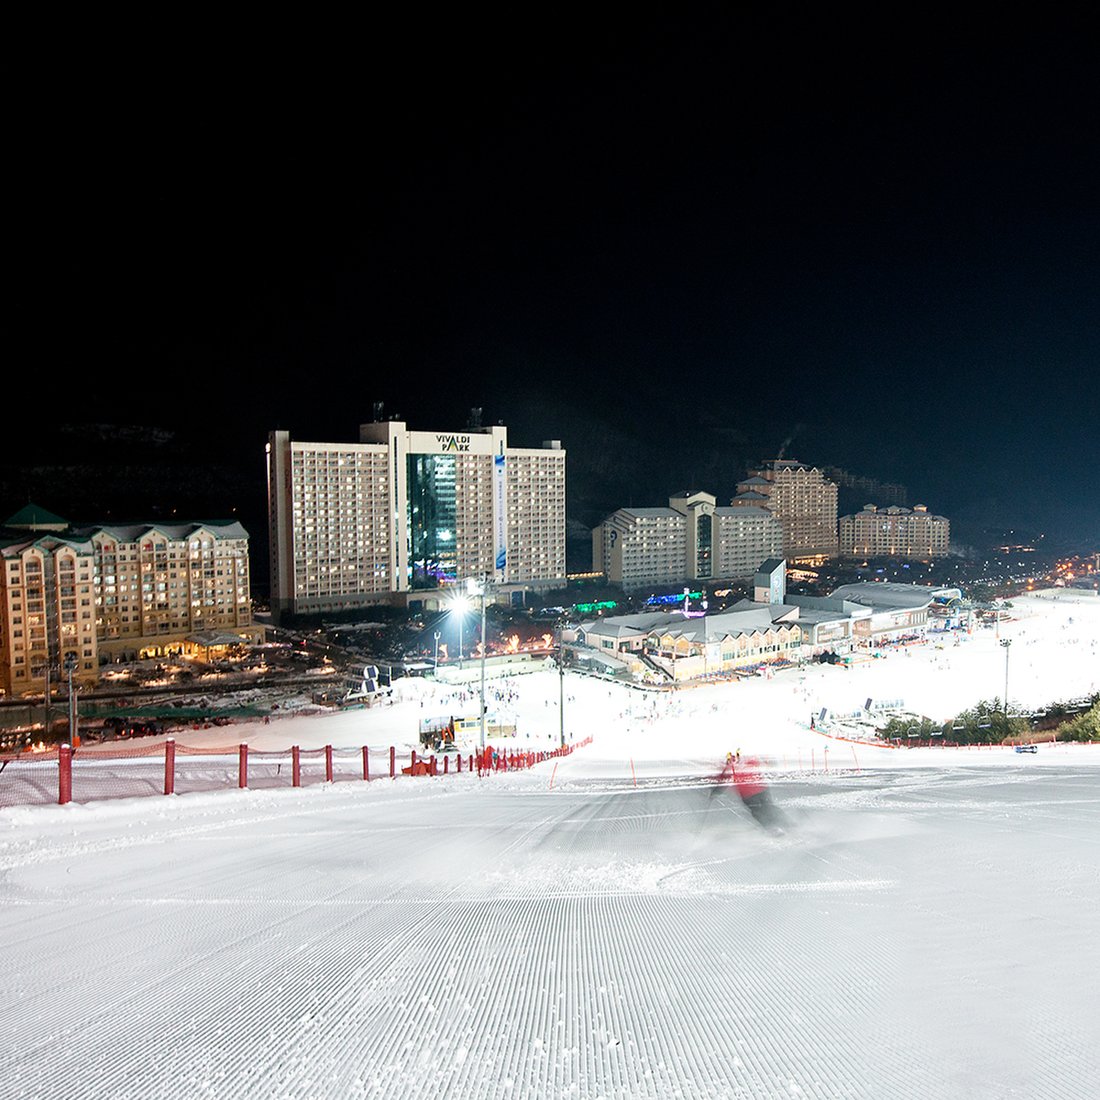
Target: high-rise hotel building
column 693, row 539
column 356, row 524
column 804, row 501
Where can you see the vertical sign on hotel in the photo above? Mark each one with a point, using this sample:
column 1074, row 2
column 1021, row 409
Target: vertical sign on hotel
column 500, row 515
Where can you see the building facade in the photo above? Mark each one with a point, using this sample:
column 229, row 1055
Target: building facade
column 774, row 629
column 680, row 648
column 897, row 610
column 170, row 588
column 106, row 593
column 895, row 532
column 641, row 547
column 691, row 540
column 47, row 604
column 356, row 524
column 804, row 501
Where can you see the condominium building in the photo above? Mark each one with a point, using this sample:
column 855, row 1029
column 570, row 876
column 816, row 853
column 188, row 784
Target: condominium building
column 691, row 539
column 399, row 512
column 47, row 603
column 804, row 501
column 107, row 592
column 895, row 533
column 165, row 588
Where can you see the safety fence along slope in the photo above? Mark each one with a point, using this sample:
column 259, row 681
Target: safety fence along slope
column 62, row 774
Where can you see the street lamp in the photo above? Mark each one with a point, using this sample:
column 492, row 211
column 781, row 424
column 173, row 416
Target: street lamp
column 45, row 670
column 437, row 652
column 70, row 667
column 459, row 605
column 1005, row 643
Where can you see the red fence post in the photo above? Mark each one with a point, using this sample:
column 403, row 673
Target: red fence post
column 242, row 768
column 328, row 763
column 295, row 766
column 392, row 768
column 412, row 768
column 431, row 766
column 366, row 763
column 446, row 763
column 170, row 766
column 64, row 775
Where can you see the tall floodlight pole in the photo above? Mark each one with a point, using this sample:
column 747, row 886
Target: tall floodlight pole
column 483, row 586
column 70, row 667
column 458, row 606
column 484, row 647
column 437, row 652
column 46, row 700
column 1005, row 643
column 705, row 656
column 561, row 683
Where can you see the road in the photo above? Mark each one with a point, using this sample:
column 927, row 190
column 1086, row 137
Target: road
column 921, row 933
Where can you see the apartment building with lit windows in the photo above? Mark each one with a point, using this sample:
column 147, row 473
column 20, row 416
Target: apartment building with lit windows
column 895, row 532
column 109, row 592
column 693, row 539
column 804, row 501
column 47, row 603
column 165, row 588
column 405, row 515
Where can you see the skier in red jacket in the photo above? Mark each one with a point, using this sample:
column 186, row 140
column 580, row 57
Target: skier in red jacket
column 744, row 776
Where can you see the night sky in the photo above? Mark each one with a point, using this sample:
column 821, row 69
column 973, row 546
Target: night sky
column 677, row 243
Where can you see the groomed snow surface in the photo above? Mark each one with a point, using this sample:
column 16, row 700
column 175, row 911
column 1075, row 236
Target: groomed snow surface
column 602, row 925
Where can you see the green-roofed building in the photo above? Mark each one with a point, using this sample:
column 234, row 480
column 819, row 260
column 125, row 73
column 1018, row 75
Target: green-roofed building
column 33, row 518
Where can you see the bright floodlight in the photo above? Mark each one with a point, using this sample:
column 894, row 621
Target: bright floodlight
column 459, row 605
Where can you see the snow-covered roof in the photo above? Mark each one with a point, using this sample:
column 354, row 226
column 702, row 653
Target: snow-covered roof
column 888, row 595
column 178, row 532
column 623, row 626
column 744, row 618
column 216, row 637
column 826, row 608
column 13, row 543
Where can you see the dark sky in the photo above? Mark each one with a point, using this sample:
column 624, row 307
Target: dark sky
column 673, row 241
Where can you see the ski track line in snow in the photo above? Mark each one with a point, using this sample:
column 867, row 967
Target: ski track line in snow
column 725, row 890
column 377, row 952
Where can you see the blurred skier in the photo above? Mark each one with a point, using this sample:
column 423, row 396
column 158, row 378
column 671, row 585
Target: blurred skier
column 744, row 776
column 755, row 794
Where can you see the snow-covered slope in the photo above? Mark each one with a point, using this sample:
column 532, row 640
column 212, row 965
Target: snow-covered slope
column 599, row 926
